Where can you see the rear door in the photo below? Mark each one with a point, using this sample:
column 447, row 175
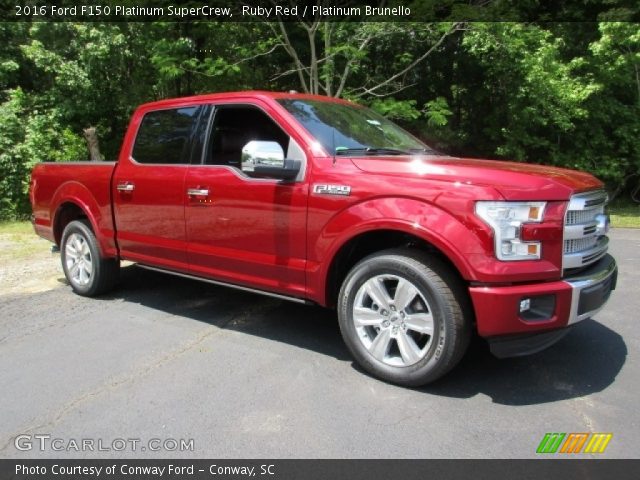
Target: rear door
column 149, row 188
column 240, row 229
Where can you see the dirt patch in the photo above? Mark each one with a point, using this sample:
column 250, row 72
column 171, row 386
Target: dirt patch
column 27, row 264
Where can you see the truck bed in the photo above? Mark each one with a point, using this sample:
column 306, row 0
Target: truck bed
column 87, row 184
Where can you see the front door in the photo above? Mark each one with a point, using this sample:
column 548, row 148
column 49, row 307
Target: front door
column 244, row 230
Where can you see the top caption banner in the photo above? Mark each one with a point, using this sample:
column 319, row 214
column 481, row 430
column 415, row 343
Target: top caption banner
column 322, row 10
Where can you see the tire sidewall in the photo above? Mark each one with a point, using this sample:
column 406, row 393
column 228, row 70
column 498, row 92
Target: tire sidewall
column 80, row 228
column 428, row 368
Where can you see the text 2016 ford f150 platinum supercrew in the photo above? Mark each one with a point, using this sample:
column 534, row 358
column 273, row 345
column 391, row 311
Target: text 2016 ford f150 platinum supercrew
column 319, row 200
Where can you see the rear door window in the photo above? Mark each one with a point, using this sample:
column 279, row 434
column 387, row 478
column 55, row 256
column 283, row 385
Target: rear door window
column 163, row 136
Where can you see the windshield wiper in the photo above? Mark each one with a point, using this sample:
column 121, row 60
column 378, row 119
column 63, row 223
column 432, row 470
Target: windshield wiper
column 371, row 151
column 422, row 150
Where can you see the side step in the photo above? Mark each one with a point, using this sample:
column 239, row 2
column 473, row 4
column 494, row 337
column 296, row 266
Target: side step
column 225, row 284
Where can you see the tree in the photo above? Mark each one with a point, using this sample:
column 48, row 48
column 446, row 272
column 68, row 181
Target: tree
column 339, row 59
column 610, row 136
column 561, row 94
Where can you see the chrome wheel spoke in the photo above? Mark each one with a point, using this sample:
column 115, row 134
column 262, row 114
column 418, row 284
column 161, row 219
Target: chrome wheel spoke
column 71, row 251
column 74, row 271
column 88, row 266
column 409, row 351
column 405, row 294
column 380, row 345
column 363, row 317
column 377, row 292
column 83, row 277
column 420, row 322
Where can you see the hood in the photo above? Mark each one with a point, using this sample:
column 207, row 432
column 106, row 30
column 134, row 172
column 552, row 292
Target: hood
column 514, row 180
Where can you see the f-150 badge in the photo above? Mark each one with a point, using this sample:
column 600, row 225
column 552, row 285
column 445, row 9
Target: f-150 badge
column 332, row 189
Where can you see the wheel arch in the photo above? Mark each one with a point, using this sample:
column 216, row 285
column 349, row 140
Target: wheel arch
column 67, row 212
column 377, row 238
column 73, row 201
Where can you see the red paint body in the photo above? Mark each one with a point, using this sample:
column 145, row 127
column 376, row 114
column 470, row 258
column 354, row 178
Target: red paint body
column 280, row 237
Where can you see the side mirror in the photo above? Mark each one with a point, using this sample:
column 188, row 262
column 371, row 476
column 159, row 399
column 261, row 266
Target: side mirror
column 266, row 159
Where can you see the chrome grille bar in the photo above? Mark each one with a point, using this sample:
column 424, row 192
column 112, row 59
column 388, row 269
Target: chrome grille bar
column 585, row 230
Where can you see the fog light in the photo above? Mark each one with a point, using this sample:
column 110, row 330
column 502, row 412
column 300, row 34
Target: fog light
column 537, row 309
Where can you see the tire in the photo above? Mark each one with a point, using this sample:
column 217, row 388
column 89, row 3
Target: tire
column 87, row 272
column 404, row 316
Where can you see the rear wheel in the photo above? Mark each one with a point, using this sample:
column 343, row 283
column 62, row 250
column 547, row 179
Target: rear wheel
column 86, row 270
column 402, row 315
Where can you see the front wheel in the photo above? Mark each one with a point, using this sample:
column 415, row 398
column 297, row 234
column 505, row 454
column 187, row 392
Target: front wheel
column 86, row 270
column 402, row 315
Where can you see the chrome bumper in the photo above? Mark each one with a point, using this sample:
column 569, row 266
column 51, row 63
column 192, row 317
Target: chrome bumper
column 591, row 289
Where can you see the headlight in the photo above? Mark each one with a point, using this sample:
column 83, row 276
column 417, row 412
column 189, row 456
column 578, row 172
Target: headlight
column 506, row 218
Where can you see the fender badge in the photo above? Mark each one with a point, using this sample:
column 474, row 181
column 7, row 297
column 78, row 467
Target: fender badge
column 332, row 189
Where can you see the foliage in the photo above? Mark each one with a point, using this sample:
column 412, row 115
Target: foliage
column 437, row 112
column 29, row 136
column 560, row 94
column 611, row 134
column 396, row 109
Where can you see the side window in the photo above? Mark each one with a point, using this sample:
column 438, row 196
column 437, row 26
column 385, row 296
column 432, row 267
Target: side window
column 163, row 136
column 236, row 125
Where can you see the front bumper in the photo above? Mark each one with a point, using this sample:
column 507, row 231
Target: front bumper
column 592, row 288
column 575, row 298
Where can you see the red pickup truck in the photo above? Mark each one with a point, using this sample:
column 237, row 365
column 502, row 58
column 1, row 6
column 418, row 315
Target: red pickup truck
column 319, row 200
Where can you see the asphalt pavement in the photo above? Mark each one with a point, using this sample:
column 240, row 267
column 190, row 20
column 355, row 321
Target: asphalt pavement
column 164, row 360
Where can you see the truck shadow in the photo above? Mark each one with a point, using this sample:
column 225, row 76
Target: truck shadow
column 586, row 361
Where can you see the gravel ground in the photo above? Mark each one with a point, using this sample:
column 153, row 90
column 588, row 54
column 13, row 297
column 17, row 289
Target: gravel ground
column 28, row 266
column 249, row 376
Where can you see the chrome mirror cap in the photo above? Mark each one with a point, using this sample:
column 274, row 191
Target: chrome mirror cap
column 262, row 153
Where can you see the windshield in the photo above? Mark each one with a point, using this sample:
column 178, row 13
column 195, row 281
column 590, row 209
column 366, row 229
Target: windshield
column 352, row 130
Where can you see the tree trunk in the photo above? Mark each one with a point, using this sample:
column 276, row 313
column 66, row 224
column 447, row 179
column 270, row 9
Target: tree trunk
column 91, row 137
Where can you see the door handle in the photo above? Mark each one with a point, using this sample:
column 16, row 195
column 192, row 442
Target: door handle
column 125, row 187
column 198, row 192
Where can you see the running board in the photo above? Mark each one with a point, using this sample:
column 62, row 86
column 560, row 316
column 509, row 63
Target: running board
column 224, row 284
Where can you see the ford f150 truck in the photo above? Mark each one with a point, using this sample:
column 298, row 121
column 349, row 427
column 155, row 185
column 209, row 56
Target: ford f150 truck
column 319, row 200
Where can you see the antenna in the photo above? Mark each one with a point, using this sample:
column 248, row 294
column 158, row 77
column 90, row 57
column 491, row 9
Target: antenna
column 333, row 143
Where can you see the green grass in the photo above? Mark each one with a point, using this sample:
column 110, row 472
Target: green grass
column 624, row 214
column 15, row 227
column 19, row 241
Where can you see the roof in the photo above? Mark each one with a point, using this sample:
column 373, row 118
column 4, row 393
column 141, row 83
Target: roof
column 248, row 94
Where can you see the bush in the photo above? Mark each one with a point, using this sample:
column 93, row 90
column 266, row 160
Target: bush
column 29, row 135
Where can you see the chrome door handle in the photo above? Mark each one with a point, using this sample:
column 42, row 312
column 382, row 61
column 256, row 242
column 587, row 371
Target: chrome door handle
column 199, row 192
column 125, row 187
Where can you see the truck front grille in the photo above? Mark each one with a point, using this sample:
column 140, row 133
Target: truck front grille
column 579, row 244
column 579, row 216
column 585, row 229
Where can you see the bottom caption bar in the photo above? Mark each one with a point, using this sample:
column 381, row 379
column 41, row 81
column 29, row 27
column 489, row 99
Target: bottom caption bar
column 318, row 469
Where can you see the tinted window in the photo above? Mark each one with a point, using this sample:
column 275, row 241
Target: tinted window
column 163, row 136
column 236, row 125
